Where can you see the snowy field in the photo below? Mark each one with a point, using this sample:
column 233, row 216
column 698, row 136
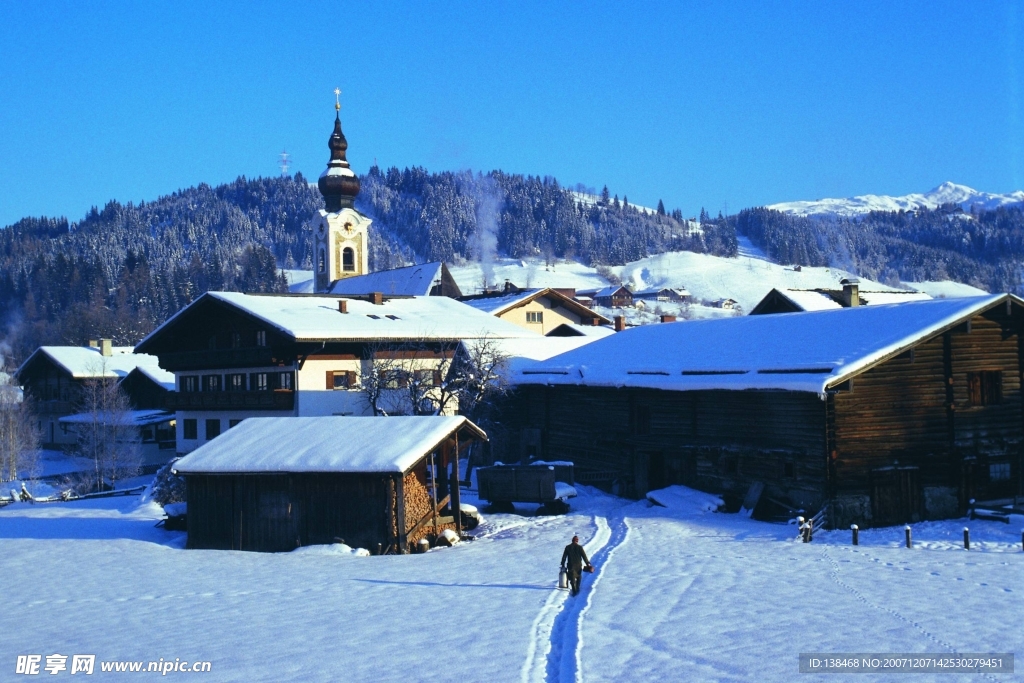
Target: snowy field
column 679, row 594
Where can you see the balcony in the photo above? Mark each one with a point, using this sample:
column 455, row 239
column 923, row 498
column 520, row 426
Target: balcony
column 253, row 356
column 280, row 399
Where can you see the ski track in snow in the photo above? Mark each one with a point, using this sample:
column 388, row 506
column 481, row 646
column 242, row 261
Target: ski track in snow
column 565, row 643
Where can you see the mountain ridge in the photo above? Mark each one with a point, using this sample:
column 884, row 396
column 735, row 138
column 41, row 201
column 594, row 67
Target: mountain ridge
column 946, row 193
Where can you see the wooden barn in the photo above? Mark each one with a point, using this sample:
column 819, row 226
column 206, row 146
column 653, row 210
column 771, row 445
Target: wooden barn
column 273, row 484
column 877, row 414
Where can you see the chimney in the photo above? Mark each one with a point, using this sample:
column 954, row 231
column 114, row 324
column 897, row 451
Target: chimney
column 106, row 347
column 620, row 323
column 594, row 322
column 377, row 298
column 94, row 344
column 342, row 306
column 668, row 318
column 851, row 292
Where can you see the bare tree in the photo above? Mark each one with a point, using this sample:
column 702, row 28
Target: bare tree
column 407, row 379
column 417, row 379
column 106, row 432
column 19, row 439
column 478, row 376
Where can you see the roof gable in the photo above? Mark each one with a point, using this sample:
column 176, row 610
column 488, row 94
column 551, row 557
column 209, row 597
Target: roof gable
column 810, row 351
column 324, row 444
column 316, row 317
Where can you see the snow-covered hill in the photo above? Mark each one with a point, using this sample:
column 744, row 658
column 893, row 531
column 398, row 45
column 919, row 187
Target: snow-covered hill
column 946, row 193
column 745, row 278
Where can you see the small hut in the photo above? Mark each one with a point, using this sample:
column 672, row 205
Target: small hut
column 276, row 483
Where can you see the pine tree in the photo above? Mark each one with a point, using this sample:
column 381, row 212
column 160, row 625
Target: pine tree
column 604, row 195
column 661, row 208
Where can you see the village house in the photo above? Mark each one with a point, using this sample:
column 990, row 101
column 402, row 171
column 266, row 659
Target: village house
column 376, row 483
column 538, row 310
column 613, row 296
column 877, row 414
column 663, row 294
column 236, row 356
column 53, row 376
column 797, row 300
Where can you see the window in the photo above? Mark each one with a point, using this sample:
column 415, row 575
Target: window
column 535, row 316
column 429, row 378
column 984, row 388
column 284, row 380
column 340, row 379
column 397, row 379
column 211, row 383
column 190, row 383
column 348, row 260
column 235, row 382
column 640, row 420
column 261, row 337
column 321, row 261
column 258, row 381
column 211, row 343
column 233, row 423
column 999, row 471
column 212, row 428
column 236, row 340
column 189, row 430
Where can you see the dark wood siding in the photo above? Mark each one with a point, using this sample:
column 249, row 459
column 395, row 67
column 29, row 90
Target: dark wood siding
column 913, row 414
column 279, row 512
column 638, row 439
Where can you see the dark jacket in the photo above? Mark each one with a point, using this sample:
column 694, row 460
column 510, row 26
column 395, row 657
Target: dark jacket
column 576, row 556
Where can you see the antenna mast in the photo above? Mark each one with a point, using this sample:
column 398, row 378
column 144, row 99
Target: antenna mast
column 285, row 162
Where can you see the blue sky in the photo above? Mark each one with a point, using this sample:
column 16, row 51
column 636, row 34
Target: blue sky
column 715, row 104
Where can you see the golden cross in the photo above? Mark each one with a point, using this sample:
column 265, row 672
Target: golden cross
column 337, row 99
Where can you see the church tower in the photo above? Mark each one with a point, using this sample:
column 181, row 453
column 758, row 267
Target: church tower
column 340, row 233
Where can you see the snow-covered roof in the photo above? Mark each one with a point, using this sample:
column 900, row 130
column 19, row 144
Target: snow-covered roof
column 323, row 444
column 86, row 362
column 810, row 300
column 533, row 348
column 496, row 305
column 138, row 418
column 821, row 300
column 316, row 318
column 158, row 375
column 596, row 331
column 411, row 281
column 793, row 351
column 656, row 291
column 603, row 292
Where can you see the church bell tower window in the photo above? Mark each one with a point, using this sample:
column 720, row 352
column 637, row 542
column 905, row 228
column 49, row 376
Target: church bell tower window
column 322, row 261
column 348, row 260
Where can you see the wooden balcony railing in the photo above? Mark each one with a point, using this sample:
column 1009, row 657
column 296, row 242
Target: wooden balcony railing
column 279, row 399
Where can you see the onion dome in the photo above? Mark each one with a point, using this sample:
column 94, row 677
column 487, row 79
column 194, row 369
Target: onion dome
column 338, row 184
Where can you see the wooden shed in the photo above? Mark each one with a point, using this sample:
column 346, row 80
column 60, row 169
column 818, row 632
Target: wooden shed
column 276, row 483
column 878, row 414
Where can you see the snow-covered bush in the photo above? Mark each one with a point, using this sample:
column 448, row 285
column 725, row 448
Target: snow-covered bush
column 167, row 486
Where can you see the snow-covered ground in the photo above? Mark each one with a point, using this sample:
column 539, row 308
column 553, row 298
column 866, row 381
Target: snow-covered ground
column 946, row 193
column 680, row 593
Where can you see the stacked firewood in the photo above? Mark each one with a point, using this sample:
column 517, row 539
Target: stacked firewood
column 418, row 500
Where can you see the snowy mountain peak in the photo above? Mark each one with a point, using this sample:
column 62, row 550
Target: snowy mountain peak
column 946, row 193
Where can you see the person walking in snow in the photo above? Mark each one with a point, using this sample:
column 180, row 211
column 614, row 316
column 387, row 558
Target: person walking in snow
column 575, row 557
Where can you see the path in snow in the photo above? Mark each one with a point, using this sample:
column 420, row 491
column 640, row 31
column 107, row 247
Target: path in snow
column 719, row 597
